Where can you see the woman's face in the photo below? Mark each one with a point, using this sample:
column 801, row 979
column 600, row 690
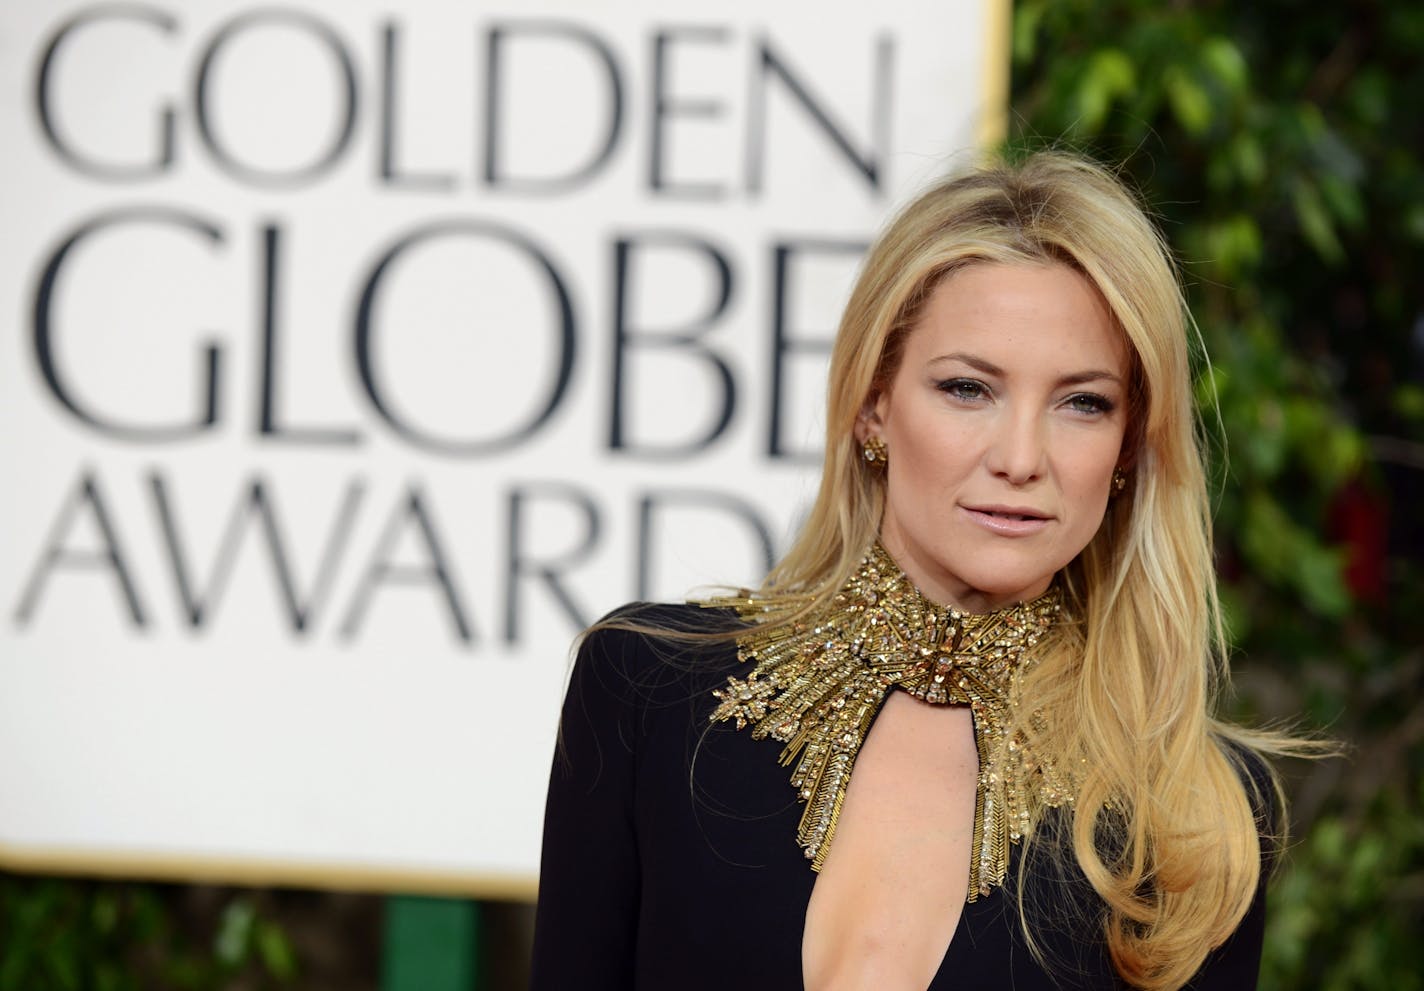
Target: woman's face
column 1004, row 422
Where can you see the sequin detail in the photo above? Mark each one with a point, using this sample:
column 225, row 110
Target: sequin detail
column 817, row 684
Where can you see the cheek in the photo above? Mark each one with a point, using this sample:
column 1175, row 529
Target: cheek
column 932, row 459
column 935, row 442
column 924, row 471
column 1086, row 471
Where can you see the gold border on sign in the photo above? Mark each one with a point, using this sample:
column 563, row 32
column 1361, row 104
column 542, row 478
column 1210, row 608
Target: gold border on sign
column 137, row 865
column 994, row 72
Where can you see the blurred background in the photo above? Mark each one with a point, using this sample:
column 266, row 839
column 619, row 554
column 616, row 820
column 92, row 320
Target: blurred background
column 1280, row 145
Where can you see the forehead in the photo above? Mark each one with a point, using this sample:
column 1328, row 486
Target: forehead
column 1033, row 315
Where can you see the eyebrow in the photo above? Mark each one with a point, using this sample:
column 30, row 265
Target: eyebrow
column 989, row 368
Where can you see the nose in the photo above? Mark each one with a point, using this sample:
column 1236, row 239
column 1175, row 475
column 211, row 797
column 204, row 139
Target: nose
column 1018, row 448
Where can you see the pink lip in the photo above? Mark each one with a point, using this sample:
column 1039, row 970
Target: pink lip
column 1008, row 521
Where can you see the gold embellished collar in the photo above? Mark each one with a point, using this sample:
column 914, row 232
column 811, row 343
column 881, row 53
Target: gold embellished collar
column 818, row 683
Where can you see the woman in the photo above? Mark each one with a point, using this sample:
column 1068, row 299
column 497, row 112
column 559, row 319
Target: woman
column 987, row 665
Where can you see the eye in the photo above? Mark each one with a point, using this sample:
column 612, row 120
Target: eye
column 1091, row 403
column 970, row 390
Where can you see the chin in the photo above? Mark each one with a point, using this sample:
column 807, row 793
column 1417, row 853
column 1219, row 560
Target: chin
column 1009, row 587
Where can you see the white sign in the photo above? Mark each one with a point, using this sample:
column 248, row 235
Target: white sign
column 358, row 355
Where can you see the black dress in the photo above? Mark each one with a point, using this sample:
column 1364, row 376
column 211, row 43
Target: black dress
column 670, row 860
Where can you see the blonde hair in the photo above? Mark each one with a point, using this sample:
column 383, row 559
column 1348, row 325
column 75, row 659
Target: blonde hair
column 1127, row 694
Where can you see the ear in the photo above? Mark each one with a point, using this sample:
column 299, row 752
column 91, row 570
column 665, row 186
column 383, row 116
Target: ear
column 868, row 421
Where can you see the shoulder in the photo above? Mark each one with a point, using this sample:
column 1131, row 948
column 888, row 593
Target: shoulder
column 647, row 652
column 639, row 632
column 668, row 618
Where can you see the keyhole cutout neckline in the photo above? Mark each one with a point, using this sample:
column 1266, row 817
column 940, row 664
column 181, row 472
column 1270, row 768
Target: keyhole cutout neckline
column 889, row 902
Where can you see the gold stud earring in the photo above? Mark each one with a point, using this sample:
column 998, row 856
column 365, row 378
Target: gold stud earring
column 877, row 455
column 1119, row 481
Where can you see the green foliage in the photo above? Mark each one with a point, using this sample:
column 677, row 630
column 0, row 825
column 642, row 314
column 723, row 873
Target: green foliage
column 63, row 935
column 1280, row 146
column 1336, row 886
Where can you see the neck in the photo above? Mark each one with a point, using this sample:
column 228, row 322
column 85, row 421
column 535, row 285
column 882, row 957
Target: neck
column 943, row 590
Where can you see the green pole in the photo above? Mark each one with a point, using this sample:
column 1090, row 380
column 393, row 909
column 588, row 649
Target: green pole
column 430, row 944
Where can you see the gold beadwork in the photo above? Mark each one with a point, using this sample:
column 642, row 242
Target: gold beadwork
column 816, row 686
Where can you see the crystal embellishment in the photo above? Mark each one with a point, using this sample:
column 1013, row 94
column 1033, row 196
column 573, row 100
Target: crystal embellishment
column 817, row 683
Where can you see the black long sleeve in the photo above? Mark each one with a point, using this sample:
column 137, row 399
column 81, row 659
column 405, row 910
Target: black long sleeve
column 587, row 917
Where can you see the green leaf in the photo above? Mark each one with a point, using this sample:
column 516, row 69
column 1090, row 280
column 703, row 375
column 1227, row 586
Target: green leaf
column 1189, row 101
column 1107, row 76
column 1328, row 841
column 1315, row 222
column 1025, row 41
column 234, row 935
column 1408, row 401
column 1224, row 61
column 1319, row 576
column 1344, row 200
column 1249, row 158
column 275, row 951
column 1234, row 245
column 1369, row 95
column 1266, row 443
column 105, row 912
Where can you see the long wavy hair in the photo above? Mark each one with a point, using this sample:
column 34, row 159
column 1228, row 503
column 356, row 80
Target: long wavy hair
column 1163, row 826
